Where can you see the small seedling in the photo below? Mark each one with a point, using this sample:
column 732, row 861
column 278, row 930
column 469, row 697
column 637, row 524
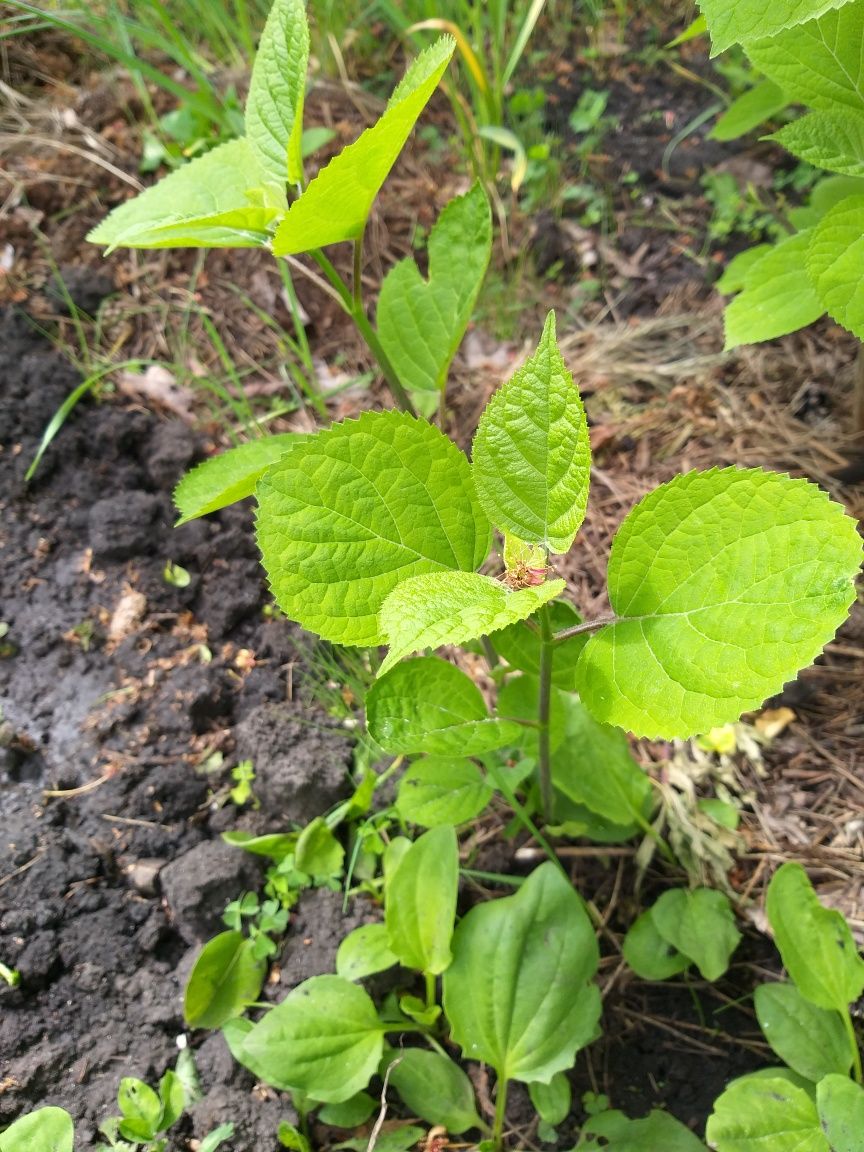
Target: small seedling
column 176, row 576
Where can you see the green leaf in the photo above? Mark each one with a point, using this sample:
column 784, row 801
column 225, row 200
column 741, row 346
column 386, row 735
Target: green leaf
column 649, row 954
column 518, row 994
column 776, row 298
column 442, row 790
column 172, row 1094
column 216, row 1138
column 275, row 845
column 519, row 645
column 811, row 1040
column 552, row 1101
column 319, row 854
column 351, row 1113
column 724, row 584
column 324, row 1039
column 840, row 1102
column 532, row 455
column 421, row 902
column 230, row 476
column 827, row 140
column 141, row 1108
column 395, row 1140
column 701, row 925
column 752, row 108
column 737, row 271
column 219, row 200
column 656, row 1131
column 46, row 1129
column 428, row 705
column 436, row 1089
column 815, row 942
column 749, row 20
column 452, row 608
column 336, row 204
column 351, row 512
column 765, row 1114
column 817, row 63
column 364, row 952
column 274, row 107
column 593, row 767
column 834, row 259
column 421, row 322
column 225, row 979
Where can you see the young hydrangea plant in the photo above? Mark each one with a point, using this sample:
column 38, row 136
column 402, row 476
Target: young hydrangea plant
column 722, row 584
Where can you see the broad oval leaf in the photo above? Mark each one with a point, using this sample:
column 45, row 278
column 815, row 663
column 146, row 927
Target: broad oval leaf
column 518, row 994
column 656, row 1132
column 230, row 476
column 776, row 298
column 519, row 699
column 420, row 321
column 834, row 256
column 364, row 952
column 737, row 272
column 452, row 608
column 817, row 63
column 324, row 1039
column 765, row 1114
column 593, row 767
column 827, row 140
column 47, row 1129
column 219, row 200
column 552, row 1101
column 649, row 954
column 225, row 979
column 421, row 902
column 435, row 1089
column 840, row 1102
column 815, row 943
column 442, row 790
column 274, row 107
column 700, row 924
column 428, row 705
column 753, row 20
column 532, row 455
column 752, row 108
column 336, row 204
column 724, row 583
column 811, row 1040
column 351, row 512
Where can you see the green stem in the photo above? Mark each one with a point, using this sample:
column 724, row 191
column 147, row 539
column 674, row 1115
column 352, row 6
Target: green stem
column 544, row 764
column 586, row 626
column 523, row 817
column 853, row 1044
column 431, row 998
column 500, row 1113
column 489, row 652
column 354, row 309
column 358, row 272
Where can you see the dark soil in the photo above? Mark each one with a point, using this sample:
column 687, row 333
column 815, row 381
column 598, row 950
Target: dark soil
column 112, row 869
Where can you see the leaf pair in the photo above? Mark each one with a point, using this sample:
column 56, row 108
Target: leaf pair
column 235, row 196
column 680, row 929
